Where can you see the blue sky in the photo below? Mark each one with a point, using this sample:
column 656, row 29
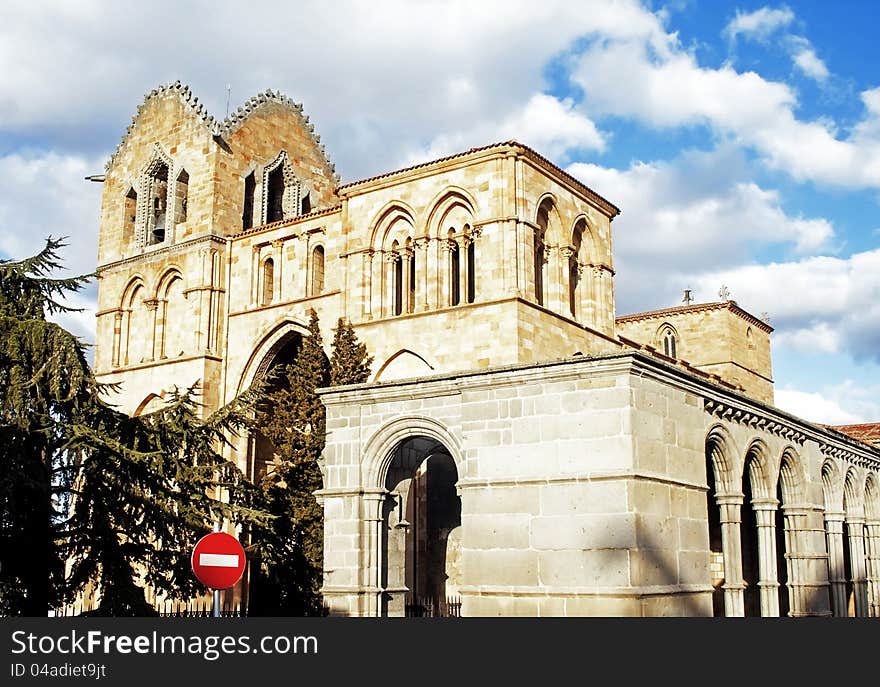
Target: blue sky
column 741, row 140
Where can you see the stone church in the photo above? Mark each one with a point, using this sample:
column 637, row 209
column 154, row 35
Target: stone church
column 520, row 446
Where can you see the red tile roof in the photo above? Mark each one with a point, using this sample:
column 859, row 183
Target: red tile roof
column 868, row 433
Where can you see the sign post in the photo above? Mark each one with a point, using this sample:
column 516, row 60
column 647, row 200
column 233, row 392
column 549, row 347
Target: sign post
column 218, row 561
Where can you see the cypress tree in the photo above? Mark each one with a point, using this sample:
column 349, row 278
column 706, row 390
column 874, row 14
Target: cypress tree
column 291, row 546
column 349, row 362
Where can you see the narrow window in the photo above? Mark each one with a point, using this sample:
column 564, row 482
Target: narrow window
column 247, row 214
column 397, row 266
column 472, row 273
column 572, row 285
column 317, row 270
column 268, row 281
column 411, row 301
column 275, row 195
column 306, row 204
column 669, row 343
column 181, row 193
column 539, row 267
column 158, row 204
column 455, row 272
column 130, row 215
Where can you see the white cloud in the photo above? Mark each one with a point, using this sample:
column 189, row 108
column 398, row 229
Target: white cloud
column 548, row 124
column 805, row 59
column 44, row 195
column 696, row 213
column 379, row 80
column 814, row 407
column 759, row 24
column 830, row 303
column 670, row 89
column 816, row 337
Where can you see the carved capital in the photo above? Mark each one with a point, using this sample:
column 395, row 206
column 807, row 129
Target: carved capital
column 151, row 303
column 277, row 244
column 568, row 252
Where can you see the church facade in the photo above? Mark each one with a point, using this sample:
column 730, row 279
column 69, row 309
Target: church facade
column 519, row 446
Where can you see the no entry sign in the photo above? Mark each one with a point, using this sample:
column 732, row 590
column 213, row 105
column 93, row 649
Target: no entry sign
column 218, row 560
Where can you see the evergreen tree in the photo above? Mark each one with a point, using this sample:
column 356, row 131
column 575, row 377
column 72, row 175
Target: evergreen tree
column 44, row 382
column 147, row 489
column 349, row 363
column 291, row 546
column 116, row 497
column 293, row 419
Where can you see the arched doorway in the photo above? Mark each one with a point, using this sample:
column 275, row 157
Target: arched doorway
column 421, row 531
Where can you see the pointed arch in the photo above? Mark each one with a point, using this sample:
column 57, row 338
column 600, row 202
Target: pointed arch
column 282, row 190
column 403, row 364
column 668, row 341
column 387, row 215
column 442, row 204
column 266, row 346
column 853, row 494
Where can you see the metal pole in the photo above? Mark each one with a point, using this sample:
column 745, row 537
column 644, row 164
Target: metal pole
column 216, row 613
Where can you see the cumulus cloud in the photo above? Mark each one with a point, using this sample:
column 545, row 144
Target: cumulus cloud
column 670, row 89
column 759, row 24
column 805, row 59
column 550, row 125
column 827, row 302
column 815, row 407
column 682, row 217
column 379, row 83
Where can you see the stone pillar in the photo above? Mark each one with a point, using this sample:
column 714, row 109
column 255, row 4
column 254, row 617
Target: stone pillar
column 255, row 276
column 445, row 271
column 731, row 546
column 462, row 269
column 872, row 547
column 422, row 281
column 117, row 338
column 768, row 580
column 836, row 578
column 565, row 256
column 856, row 526
column 152, row 306
column 409, row 264
column 804, row 564
column 373, row 521
column 278, row 272
column 367, row 284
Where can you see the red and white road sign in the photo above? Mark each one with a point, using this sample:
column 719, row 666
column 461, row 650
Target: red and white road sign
column 218, row 560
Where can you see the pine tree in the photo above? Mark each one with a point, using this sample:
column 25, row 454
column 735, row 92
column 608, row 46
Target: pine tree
column 349, row 363
column 44, row 382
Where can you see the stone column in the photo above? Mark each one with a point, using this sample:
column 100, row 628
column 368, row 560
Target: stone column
column 731, row 546
column 463, row 269
column 278, row 276
column 409, row 264
column 422, row 300
column 768, row 580
column 255, row 276
column 391, row 268
column 836, row 578
column 117, row 339
column 565, row 256
column 805, row 564
column 373, row 521
column 367, row 284
column 856, row 526
column 872, row 547
column 152, row 306
column 445, row 272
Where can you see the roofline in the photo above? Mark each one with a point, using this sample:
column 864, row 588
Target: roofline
column 697, row 307
column 516, row 146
